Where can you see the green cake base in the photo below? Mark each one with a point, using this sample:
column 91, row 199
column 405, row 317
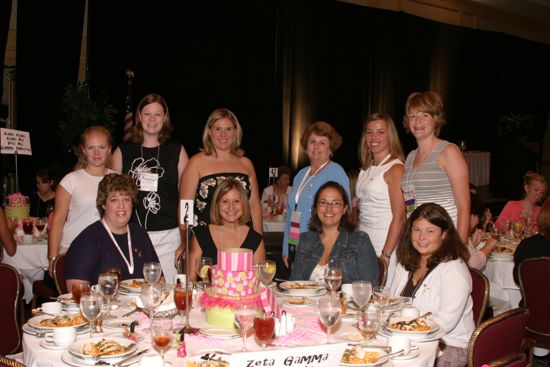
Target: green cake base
column 220, row 317
column 17, row 212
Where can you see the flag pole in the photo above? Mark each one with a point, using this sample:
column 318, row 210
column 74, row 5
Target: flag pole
column 128, row 116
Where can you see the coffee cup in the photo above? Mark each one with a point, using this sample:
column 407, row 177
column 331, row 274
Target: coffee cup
column 62, row 336
column 410, row 312
column 151, row 360
column 399, row 342
column 346, row 289
column 52, row 308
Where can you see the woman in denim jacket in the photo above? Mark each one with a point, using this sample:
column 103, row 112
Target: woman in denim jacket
column 333, row 242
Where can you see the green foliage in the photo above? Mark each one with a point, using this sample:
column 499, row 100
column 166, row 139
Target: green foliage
column 515, row 124
column 79, row 110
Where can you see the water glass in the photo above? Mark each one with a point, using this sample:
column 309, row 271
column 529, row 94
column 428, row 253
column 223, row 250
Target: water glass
column 333, row 279
column 108, row 286
column 266, row 271
column 203, row 268
column 244, row 319
column 151, row 296
column 381, row 297
column 330, row 310
column 152, row 272
column 91, row 305
column 369, row 324
column 517, row 229
column 361, row 292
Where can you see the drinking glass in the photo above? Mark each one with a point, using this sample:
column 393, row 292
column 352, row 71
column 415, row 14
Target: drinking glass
column 517, row 229
column 361, row 292
column 244, row 319
column 203, row 268
column 151, row 296
column 90, row 306
column 161, row 332
column 369, row 324
column 116, row 271
column 27, row 225
column 108, row 286
column 266, row 271
column 40, row 225
column 333, row 279
column 264, row 326
column 528, row 226
column 181, row 300
column 151, row 272
column 329, row 313
column 381, row 297
column 492, row 229
column 79, row 289
column 505, row 228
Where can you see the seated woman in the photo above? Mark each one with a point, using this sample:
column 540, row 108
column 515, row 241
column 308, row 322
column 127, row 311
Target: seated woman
column 537, row 245
column 43, row 200
column 228, row 226
column 432, row 269
column 333, row 242
column 111, row 242
column 276, row 195
column 478, row 257
column 526, row 209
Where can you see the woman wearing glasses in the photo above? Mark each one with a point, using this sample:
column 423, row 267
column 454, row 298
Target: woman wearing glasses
column 333, row 242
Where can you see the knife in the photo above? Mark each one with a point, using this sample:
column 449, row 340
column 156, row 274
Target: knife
column 127, row 359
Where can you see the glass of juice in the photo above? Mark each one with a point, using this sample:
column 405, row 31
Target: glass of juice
column 264, row 326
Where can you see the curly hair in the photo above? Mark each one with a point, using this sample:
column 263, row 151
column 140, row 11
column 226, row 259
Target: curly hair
column 115, row 182
column 322, row 128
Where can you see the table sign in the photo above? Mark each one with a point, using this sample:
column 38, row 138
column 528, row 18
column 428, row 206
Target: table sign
column 326, row 355
column 15, row 142
column 273, row 172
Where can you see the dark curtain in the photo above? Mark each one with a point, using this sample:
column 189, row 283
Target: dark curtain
column 5, row 13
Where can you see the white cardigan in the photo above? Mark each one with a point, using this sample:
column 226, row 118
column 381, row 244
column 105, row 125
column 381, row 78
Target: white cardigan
column 446, row 293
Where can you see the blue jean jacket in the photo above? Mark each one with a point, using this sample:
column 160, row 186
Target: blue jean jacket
column 352, row 252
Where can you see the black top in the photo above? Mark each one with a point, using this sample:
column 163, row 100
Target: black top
column 155, row 211
column 209, row 249
column 536, row 246
column 39, row 208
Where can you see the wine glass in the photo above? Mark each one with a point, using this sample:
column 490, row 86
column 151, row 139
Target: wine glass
column 161, row 332
column 151, row 296
column 381, row 297
column 329, row 313
column 517, row 228
column 333, row 279
column 505, row 228
column 266, row 271
column 264, row 326
column 181, row 300
column 361, row 292
column 108, row 286
column 151, row 272
column 244, row 319
column 40, row 225
column 90, row 306
column 528, row 226
column 27, row 225
column 369, row 324
column 202, row 268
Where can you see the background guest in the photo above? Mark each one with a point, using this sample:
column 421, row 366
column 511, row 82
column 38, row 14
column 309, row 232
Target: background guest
column 228, row 226
column 111, row 242
column 7, row 243
column 333, row 242
column 436, row 171
column 276, row 195
column 156, row 163
column 381, row 205
column 526, row 209
column 478, row 257
column 76, row 194
column 320, row 141
column 432, row 269
column 43, row 200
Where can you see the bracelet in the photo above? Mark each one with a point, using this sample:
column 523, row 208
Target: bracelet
column 52, row 259
column 385, row 254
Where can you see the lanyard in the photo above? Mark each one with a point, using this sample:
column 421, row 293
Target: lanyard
column 130, row 264
column 305, row 181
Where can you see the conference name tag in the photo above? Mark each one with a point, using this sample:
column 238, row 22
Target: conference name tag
column 149, row 182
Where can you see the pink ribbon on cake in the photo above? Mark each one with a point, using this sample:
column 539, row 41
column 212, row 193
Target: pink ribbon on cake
column 235, row 259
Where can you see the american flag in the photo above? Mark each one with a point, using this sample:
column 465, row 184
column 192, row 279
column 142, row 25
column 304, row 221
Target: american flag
column 128, row 117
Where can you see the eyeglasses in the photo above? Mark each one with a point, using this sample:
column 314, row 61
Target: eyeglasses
column 335, row 204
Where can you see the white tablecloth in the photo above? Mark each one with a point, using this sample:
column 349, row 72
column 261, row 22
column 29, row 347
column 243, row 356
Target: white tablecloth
column 479, row 167
column 505, row 293
column 273, row 226
column 31, row 260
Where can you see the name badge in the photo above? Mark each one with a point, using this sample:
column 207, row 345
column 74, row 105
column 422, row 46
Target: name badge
column 410, row 198
column 149, row 182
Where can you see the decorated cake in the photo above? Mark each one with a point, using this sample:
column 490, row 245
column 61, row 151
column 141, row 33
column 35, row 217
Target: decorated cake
column 18, row 206
column 234, row 283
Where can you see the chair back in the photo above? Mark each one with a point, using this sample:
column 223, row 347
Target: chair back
column 497, row 337
column 382, row 272
column 480, row 294
column 511, row 360
column 59, row 274
column 8, row 362
column 533, row 277
column 10, row 285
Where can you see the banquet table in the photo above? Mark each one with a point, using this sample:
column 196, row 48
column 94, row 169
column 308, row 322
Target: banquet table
column 307, row 333
column 273, row 225
column 30, row 260
column 479, row 166
column 505, row 293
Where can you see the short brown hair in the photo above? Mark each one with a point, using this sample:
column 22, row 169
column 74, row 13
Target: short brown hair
column 218, row 114
column 322, row 129
column 543, row 220
column 428, row 102
column 224, row 186
column 165, row 131
column 115, row 182
column 345, row 222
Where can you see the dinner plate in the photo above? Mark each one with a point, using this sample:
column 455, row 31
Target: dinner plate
column 353, row 337
column 35, row 322
column 76, row 348
column 416, row 337
column 307, row 302
column 129, row 285
column 432, row 325
column 219, row 333
column 67, row 298
column 299, row 292
column 32, row 331
column 501, row 255
column 117, row 324
column 301, row 286
column 71, row 360
column 382, row 359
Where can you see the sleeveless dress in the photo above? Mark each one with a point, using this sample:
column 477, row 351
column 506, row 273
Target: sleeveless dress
column 209, row 249
column 431, row 184
column 205, row 191
column 375, row 212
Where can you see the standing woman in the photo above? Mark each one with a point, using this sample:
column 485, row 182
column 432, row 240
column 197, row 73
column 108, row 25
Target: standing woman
column 436, row 171
column 75, row 196
column 320, row 141
column 381, row 205
column 156, row 163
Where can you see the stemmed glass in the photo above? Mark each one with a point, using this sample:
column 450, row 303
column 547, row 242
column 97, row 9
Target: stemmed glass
column 528, row 226
column 264, row 326
column 108, row 286
column 151, row 272
column 370, row 323
column 151, row 296
column 361, row 292
column 161, row 332
column 333, row 279
column 40, row 225
column 90, row 306
column 381, row 297
column 28, row 225
column 517, row 228
column 330, row 310
column 505, row 228
column 202, row 268
column 244, row 319
column 267, row 271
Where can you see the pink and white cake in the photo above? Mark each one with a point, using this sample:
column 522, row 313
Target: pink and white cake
column 18, row 206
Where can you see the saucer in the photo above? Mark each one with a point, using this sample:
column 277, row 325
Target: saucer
column 50, row 345
column 412, row 354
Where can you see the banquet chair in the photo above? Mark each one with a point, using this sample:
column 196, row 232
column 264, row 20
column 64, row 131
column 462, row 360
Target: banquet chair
column 480, row 294
column 511, row 360
column 498, row 337
column 8, row 362
column 59, row 274
column 43, row 292
column 11, row 300
column 382, row 272
column 533, row 277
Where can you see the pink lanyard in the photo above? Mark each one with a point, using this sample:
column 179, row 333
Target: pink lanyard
column 129, row 264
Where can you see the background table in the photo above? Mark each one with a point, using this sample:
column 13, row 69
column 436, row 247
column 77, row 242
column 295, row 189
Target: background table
column 30, row 260
column 479, row 167
column 505, row 293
